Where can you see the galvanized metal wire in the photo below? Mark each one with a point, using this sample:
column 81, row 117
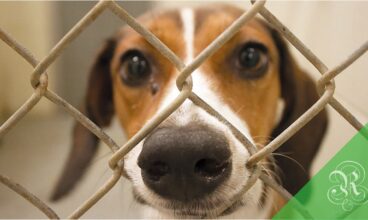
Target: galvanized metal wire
column 39, row 81
column 34, row 200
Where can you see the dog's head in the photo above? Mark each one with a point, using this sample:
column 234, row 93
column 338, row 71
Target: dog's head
column 192, row 164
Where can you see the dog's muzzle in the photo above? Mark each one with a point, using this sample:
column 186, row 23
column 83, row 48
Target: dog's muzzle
column 185, row 163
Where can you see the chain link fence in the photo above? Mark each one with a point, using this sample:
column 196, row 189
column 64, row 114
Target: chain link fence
column 39, row 81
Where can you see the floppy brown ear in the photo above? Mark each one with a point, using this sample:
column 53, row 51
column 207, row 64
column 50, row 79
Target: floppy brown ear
column 99, row 108
column 299, row 94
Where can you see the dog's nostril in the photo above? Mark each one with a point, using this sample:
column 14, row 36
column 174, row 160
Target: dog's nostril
column 157, row 170
column 210, row 168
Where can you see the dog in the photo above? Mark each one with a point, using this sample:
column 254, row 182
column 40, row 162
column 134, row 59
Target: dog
column 192, row 164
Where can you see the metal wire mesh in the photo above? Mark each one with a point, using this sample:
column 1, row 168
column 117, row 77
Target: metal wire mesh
column 39, row 80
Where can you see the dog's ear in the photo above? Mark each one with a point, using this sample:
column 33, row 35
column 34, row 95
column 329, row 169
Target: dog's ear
column 98, row 107
column 299, row 94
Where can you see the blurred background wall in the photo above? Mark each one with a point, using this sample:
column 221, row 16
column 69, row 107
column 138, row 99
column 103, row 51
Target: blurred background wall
column 33, row 152
column 39, row 25
column 30, row 24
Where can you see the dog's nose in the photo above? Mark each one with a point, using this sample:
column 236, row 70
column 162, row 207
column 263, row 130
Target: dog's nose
column 185, row 163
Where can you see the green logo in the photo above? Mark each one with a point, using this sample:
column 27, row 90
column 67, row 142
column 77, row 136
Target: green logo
column 348, row 190
column 339, row 190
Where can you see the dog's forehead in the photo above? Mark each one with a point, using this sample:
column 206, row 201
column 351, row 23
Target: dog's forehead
column 160, row 23
column 169, row 27
column 222, row 14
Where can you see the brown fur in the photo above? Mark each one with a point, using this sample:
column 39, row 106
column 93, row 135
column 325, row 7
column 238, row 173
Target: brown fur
column 135, row 105
column 253, row 101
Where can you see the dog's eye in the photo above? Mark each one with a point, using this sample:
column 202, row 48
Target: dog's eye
column 135, row 68
column 252, row 61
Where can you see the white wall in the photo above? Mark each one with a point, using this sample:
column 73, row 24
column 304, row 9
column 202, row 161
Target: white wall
column 30, row 23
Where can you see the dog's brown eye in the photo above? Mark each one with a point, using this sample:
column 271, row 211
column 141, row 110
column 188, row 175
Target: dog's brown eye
column 252, row 61
column 135, row 68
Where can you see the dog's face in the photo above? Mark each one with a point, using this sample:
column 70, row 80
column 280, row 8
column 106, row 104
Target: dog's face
column 192, row 164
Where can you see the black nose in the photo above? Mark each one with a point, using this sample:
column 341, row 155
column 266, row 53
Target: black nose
column 185, row 163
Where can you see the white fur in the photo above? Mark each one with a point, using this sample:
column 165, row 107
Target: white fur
column 187, row 113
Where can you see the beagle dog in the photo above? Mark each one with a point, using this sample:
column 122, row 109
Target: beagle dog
column 192, row 164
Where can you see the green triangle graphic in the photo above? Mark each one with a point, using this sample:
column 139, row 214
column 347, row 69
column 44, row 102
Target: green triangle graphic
column 339, row 190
